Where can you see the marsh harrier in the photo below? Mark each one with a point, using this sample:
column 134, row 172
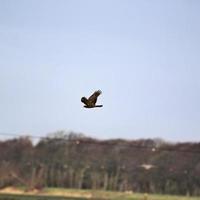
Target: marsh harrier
column 91, row 101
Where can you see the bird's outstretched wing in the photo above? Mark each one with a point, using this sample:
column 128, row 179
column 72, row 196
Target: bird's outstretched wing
column 94, row 96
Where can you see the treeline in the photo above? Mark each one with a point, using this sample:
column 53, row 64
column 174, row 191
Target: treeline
column 75, row 161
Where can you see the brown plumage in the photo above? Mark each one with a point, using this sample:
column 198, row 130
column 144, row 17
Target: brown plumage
column 91, row 101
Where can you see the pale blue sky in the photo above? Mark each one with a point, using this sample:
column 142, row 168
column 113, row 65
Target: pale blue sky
column 143, row 55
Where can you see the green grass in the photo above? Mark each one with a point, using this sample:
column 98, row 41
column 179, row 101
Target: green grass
column 34, row 197
column 60, row 194
column 137, row 196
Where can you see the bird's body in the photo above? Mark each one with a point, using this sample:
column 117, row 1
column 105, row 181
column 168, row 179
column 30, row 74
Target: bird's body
column 91, row 101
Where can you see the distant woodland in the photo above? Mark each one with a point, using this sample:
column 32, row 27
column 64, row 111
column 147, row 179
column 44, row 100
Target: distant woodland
column 71, row 160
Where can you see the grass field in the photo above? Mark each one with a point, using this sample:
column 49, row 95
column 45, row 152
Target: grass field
column 70, row 194
column 35, row 197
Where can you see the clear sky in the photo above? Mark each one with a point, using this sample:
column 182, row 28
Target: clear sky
column 143, row 55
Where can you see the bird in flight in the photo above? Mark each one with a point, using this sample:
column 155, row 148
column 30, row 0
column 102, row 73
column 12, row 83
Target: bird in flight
column 91, row 101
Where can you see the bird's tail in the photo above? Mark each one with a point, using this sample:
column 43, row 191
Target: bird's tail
column 99, row 106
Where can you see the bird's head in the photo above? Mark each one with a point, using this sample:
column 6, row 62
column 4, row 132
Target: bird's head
column 83, row 99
